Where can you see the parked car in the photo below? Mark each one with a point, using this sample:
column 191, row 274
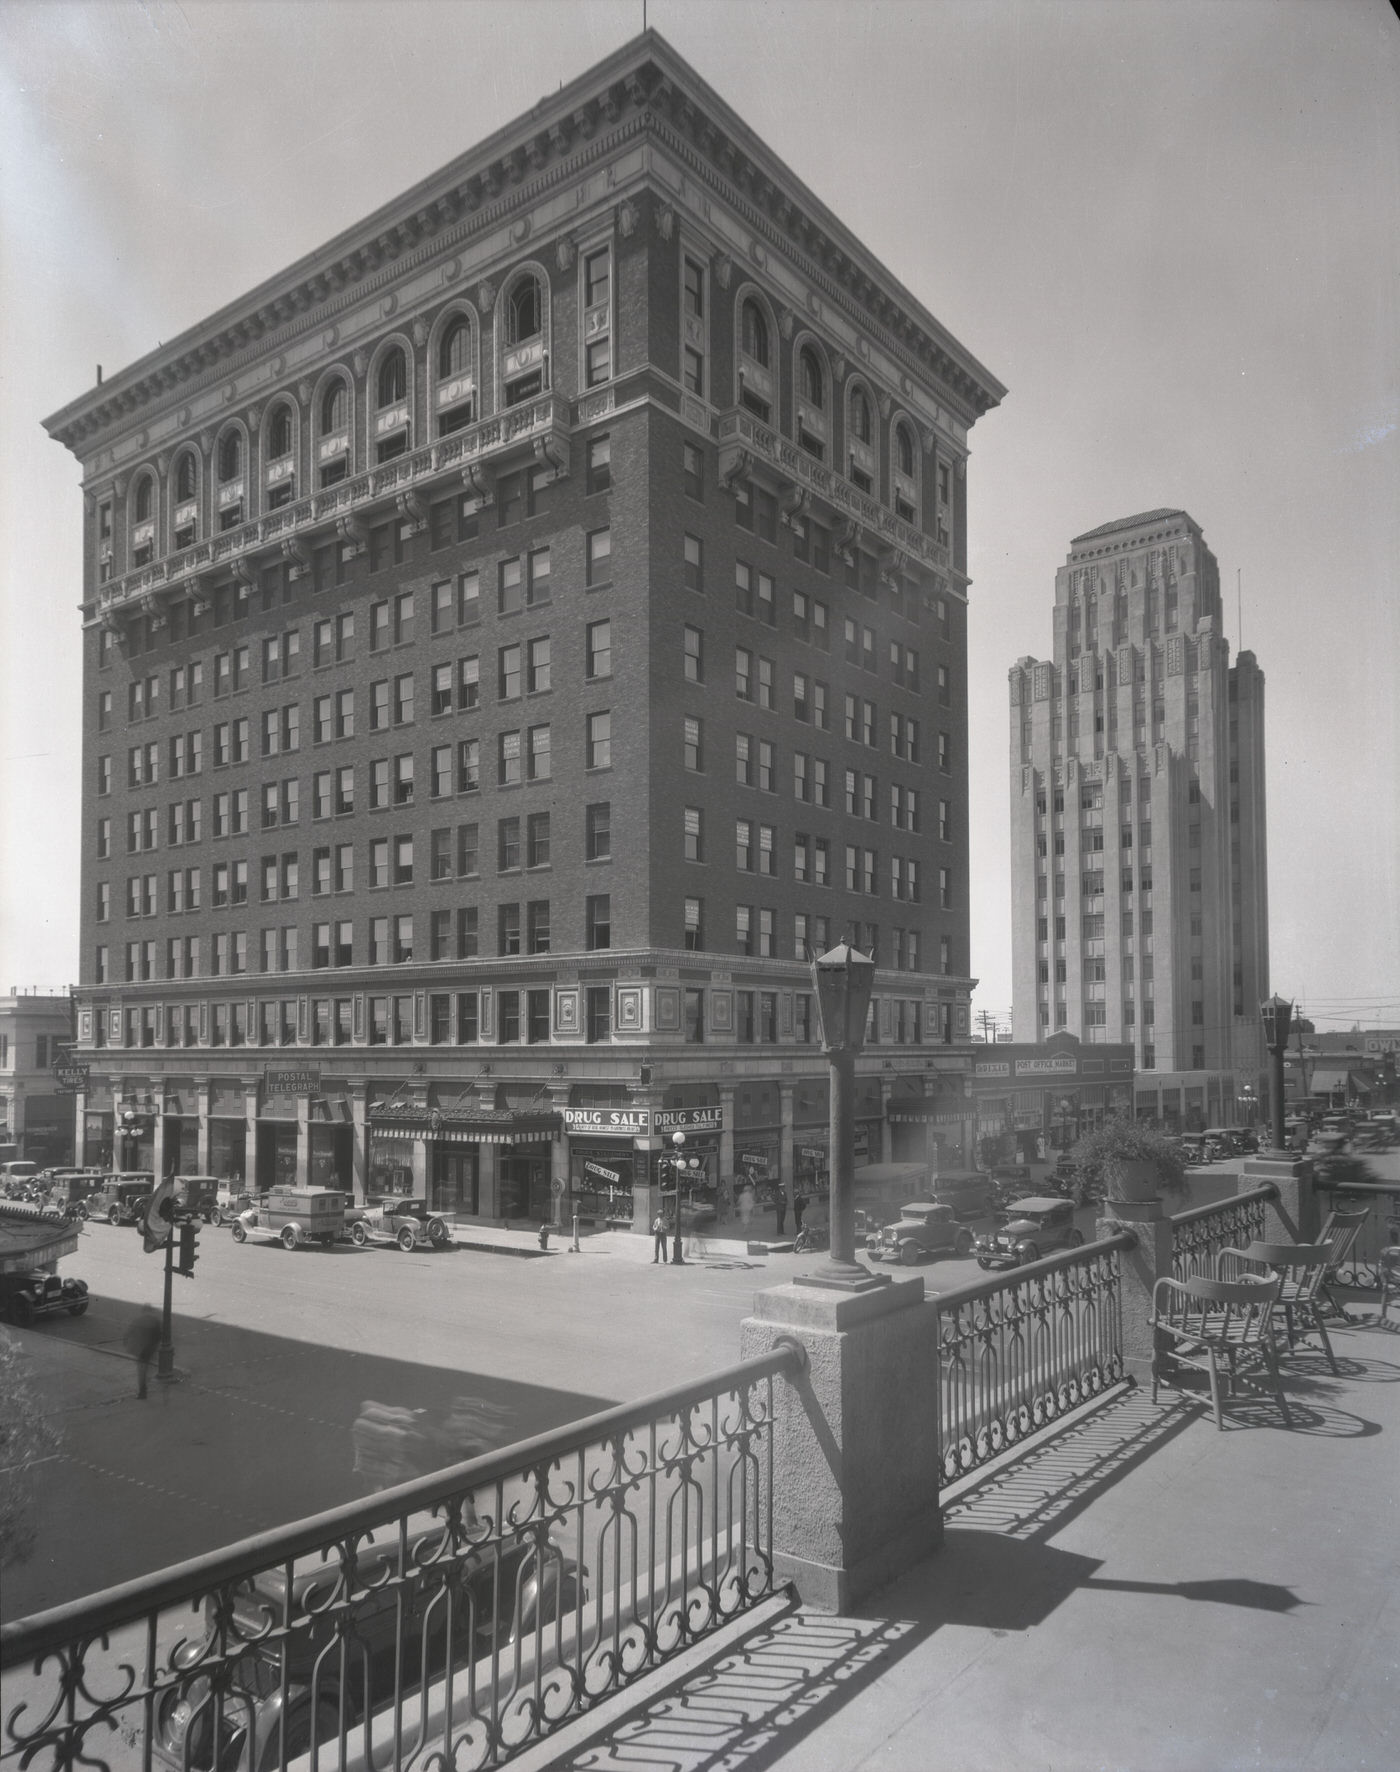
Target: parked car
column 16, row 1176
column 69, row 1191
column 405, row 1222
column 1027, row 1230
column 230, row 1198
column 1197, row 1148
column 399, row 1629
column 967, row 1191
column 197, row 1194
column 1010, row 1181
column 923, row 1228
column 293, row 1217
column 23, row 1297
column 121, row 1199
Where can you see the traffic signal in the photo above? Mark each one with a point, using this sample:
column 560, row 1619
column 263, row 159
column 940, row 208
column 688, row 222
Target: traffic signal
column 189, row 1245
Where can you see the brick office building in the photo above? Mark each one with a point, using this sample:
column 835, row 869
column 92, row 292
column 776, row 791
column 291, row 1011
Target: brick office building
column 513, row 636
column 1139, row 865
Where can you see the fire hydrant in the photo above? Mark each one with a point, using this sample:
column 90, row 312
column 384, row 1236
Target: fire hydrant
column 544, row 1236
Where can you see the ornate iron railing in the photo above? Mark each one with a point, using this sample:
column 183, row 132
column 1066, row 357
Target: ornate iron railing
column 449, row 1622
column 1017, row 1352
column 1199, row 1235
column 1362, row 1266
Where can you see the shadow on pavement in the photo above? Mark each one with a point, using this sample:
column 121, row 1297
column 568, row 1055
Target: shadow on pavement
column 255, row 1432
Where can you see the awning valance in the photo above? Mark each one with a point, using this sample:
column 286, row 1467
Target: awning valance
column 463, row 1125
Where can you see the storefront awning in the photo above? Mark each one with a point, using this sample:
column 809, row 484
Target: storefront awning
column 464, row 1125
column 928, row 1110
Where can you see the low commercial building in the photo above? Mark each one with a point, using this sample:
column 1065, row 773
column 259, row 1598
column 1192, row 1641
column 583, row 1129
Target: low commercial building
column 35, row 1115
column 1033, row 1098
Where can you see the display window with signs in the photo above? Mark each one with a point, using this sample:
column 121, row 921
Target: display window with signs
column 600, row 1181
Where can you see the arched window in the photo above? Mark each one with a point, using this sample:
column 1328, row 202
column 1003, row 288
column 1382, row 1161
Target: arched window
column 393, row 378
column 229, row 461
column 524, row 362
column 281, row 470
column 455, row 348
column 230, row 456
column 811, row 403
column 184, row 478
column 143, row 499
column 524, row 311
column 860, row 415
column 335, row 408
column 813, row 382
column 906, row 485
column 754, row 333
column 455, row 395
column 279, row 432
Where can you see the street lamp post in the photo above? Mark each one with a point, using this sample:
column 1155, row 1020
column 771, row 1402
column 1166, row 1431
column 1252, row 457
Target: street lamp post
column 842, row 981
column 677, row 1162
column 1276, row 1016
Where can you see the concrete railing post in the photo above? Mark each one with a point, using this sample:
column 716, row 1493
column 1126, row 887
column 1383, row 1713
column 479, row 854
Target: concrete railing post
column 1139, row 1270
column 1295, row 1214
column 855, row 1437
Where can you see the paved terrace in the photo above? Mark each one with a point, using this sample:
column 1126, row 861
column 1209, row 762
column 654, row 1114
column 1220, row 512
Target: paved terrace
column 1142, row 1592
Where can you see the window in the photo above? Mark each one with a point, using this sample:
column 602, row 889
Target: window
column 598, row 754
column 599, row 649
column 743, row 846
column 694, row 664
column 508, row 758
column 693, row 471
column 599, row 467
column 694, row 924
column 538, row 765
column 743, row 928
column 598, row 565
column 598, row 921
column 537, row 678
column 693, row 744
column 508, row 673
column 743, row 673
column 693, row 822
column 509, row 584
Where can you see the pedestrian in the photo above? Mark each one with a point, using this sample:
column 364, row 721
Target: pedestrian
column 781, row 1206
column 142, row 1341
column 658, row 1238
column 799, row 1206
column 390, row 1446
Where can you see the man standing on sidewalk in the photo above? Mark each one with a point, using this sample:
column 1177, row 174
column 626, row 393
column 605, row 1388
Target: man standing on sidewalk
column 658, row 1237
column 142, row 1340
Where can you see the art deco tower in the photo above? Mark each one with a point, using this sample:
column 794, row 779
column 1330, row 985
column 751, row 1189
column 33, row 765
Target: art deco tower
column 1139, row 874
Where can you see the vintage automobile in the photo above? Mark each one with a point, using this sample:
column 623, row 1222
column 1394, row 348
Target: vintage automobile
column 25, row 1296
column 294, row 1217
column 70, row 1190
column 967, row 1191
column 270, row 1706
column 923, row 1228
column 121, row 1199
column 1027, row 1230
column 230, row 1198
column 1010, row 1181
column 405, row 1222
column 197, row 1194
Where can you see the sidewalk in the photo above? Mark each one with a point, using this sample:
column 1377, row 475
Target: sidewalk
column 627, row 1245
column 1142, row 1593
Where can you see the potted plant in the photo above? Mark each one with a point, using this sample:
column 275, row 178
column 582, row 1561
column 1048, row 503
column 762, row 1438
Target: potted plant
column 1121, row 1159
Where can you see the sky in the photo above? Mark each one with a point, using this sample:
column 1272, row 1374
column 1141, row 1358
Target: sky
column 1168, row 226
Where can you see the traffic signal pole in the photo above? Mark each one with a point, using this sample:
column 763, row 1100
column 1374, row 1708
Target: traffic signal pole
column 165, row 1357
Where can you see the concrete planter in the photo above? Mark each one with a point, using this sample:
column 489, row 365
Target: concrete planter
column 1131, row 1179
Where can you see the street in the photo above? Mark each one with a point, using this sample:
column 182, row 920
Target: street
column 276, row 1353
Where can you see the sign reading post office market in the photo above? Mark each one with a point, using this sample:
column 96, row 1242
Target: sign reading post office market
column 640, row 1122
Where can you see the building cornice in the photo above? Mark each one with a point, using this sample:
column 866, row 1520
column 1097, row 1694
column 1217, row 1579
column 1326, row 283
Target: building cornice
column 644, row 87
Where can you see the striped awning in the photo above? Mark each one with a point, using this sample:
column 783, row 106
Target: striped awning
column 463, row 1125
